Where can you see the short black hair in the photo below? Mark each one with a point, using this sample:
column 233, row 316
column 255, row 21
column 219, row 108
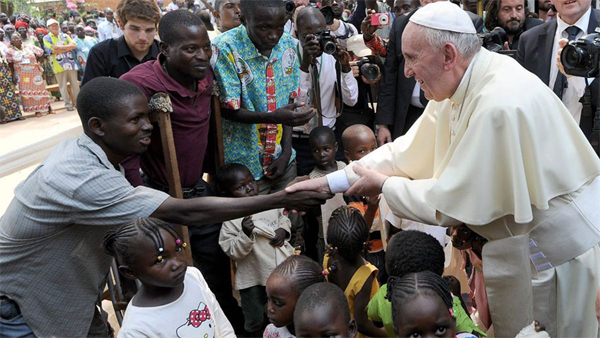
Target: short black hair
column 303, row 271
column 412, row 251
column 347, row 233
column 179, row 17
column 307, row 11
column 102, row 97
column 400, row 290
column 321, row 133
column 249, row 8
column 226, row 174
column 120, row 243
column 320, row 295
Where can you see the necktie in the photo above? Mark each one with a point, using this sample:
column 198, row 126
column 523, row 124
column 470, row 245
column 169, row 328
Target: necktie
column 561, row 80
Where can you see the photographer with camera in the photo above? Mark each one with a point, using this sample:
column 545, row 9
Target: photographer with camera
column 325, row 79
column 333, row 10
column 538, row 51
column 510, row 15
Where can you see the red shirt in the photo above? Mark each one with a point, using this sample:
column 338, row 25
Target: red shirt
column 190, row 122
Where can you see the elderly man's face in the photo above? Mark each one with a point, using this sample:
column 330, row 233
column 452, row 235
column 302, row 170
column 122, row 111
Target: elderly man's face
column 425, row 64
column 571, row 10
column 511, row 16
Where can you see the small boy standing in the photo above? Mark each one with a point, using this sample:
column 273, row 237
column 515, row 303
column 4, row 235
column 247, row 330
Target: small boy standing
column 359, row 141
column 323, row 148
column 256, row 243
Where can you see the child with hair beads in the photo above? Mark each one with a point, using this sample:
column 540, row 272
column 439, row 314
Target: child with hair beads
column 345, row 267
column 256, row 243
column 284, row 287
column 323, row 148
column 322, row 311
column 411, row 251
column 422, row 306
column 174, row 299
column 359, row 141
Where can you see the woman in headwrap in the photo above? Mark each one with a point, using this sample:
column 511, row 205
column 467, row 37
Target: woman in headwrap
column 9, row 106
column 28, row 76
column 22, row 29
column 8, row 30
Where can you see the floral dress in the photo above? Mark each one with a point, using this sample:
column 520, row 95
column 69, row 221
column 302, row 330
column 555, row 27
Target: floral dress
column 8, row 100
column 29, row 73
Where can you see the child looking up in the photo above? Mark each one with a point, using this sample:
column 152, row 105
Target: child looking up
column 411, row 251
column 323, row 148
column 284, row 287
column 347, row 236
column 359, row 141
column 256, row 243
column 421, row 305
column 322, row 311
column 174, row 299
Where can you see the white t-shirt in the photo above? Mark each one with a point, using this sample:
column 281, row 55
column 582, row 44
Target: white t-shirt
column 273, row 331
column 196, row 313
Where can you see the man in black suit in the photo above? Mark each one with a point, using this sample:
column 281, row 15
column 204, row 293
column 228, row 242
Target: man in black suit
column 400, row 102
column 538, row 52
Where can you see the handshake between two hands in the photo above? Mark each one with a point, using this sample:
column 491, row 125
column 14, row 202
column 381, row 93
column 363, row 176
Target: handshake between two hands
column 305, row 193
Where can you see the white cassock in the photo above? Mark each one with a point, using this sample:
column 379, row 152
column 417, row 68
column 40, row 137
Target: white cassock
column 504, row 156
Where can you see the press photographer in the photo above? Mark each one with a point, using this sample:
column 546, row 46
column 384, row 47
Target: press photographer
column 511, row 16
column 582, row 58
column 326, row 81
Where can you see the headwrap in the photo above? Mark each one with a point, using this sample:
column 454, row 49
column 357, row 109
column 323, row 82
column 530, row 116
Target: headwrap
column 41, row 30
column 88, row 29
column 20, row 24
column 9, row 25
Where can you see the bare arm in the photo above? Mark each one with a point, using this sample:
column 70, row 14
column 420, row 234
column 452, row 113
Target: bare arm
column 57, row 49
column 287, row 115
column 206, row 210
column 365, row 326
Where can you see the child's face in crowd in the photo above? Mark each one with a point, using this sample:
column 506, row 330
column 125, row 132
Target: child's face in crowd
column 323, row 151
column 281, row 300
column 424, row 316
column 162, row 270
column 359, row 146
column 244, row 184
column 265, row 28
column 324, row 322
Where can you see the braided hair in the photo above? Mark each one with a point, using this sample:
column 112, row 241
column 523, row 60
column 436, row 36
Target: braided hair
column 302, row 270
column 118, row 243
column 412, row 251
column 347, row 233
column 402, row 289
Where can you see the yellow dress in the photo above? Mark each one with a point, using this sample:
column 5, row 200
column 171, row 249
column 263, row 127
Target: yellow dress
column 356, row 284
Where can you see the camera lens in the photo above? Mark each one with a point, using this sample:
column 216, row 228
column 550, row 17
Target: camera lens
column 328, row 47
column 369, row 71
column 572, row 56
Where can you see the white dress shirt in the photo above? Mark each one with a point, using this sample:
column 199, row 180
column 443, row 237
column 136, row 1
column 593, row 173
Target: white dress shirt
column 108, row 30
column 576, row 85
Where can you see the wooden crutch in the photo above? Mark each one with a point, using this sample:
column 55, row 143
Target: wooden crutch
column 160, row 111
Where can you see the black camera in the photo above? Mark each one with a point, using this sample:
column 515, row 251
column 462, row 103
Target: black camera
column 327, row 12
column 493, row 40
column 580, row 57
column 326, row 42
column 290, row 7
column 368, row 69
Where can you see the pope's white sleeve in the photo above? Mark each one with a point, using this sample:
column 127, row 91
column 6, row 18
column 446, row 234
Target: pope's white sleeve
column 338, row 181
column 406, row 199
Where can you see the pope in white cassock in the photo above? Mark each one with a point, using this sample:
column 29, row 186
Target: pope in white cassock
column 497, row 150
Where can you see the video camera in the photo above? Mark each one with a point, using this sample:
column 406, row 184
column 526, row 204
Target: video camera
column 493, row 40
column 581, row 57
column 326, row 42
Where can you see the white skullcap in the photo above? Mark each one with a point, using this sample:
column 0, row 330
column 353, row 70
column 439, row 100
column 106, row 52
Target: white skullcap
column 444, row 15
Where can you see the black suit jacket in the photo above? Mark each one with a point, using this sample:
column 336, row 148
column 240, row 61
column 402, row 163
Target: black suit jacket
column 395, row 89
column 535, row 49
